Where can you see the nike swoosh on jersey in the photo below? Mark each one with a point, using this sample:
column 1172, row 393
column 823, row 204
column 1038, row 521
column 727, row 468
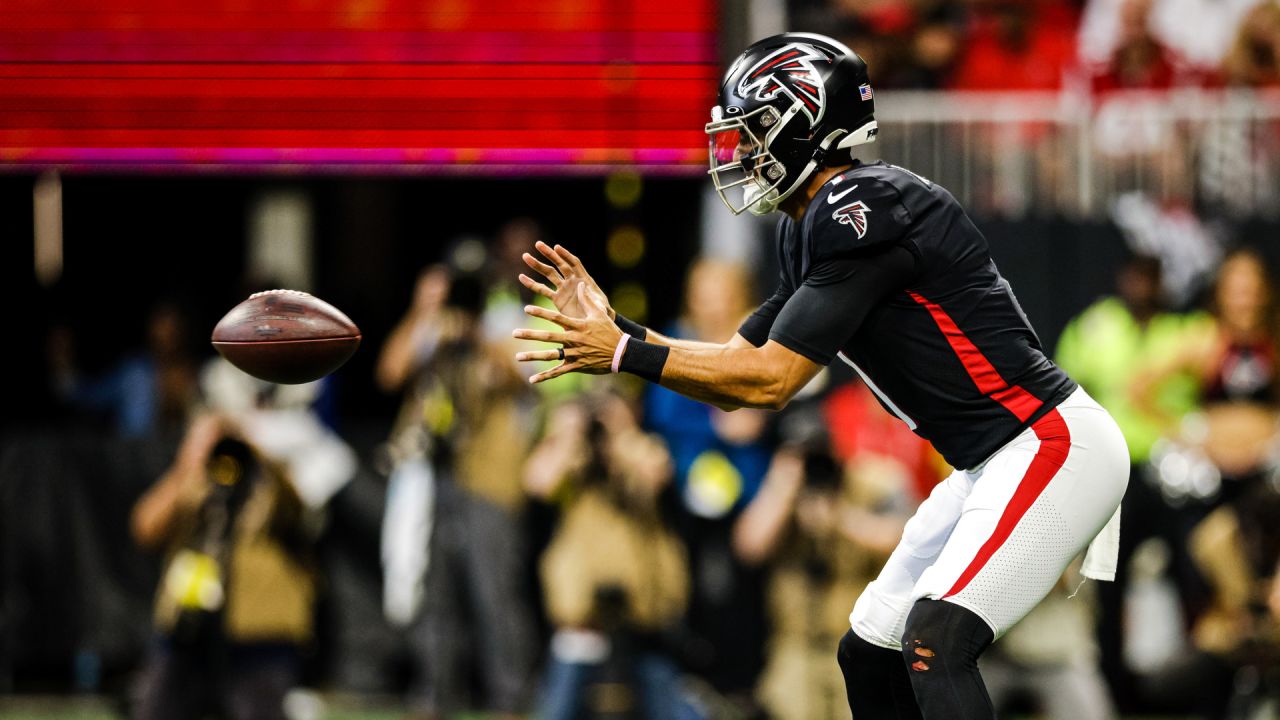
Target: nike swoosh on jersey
column 834, row 198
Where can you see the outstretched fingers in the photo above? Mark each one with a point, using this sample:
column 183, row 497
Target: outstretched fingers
column 537, row 287
column 566, row 354
column 574, row 263
column 543, row 269
column 555, row 372
column 553, row 254
column 554, row 316
column 540, row 336
column 544, row 355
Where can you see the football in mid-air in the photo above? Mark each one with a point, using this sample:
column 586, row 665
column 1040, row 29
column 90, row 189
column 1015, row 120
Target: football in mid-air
column 286, row 336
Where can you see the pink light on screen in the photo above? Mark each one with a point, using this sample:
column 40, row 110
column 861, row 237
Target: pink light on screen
column 278, row 85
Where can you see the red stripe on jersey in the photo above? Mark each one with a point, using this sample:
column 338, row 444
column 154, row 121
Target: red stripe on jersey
column 1012, row 397
column 1055, row 443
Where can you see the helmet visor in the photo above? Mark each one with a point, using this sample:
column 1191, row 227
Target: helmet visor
column 729, row 145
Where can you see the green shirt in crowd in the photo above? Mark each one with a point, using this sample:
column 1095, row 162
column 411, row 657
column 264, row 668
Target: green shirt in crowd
column 1105, row 348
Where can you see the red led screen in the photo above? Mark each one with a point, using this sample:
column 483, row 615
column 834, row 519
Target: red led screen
column 357, row 85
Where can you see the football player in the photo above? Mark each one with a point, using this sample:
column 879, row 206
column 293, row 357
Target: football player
column 882, row 269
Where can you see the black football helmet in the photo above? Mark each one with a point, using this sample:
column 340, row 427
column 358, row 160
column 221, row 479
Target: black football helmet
column 788, row 105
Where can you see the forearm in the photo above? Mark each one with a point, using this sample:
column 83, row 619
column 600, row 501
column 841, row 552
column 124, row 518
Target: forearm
column 759, row 530
column 873, row 532
column 153, row 515
column 728, row 375
column 701, row 372
column 657, row 338
column 401, row 353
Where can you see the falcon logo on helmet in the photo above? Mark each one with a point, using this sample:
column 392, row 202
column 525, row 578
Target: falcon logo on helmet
column 789, row 70
column 854, row 215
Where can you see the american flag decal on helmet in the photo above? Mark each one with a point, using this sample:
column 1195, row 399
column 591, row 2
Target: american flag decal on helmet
column 864, row 90
column 854, row 214
column 789, row 70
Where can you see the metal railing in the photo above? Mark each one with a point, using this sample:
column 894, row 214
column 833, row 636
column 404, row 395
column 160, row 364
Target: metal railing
column 1068, row 153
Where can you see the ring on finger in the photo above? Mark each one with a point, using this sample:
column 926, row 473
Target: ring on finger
column 561, row 351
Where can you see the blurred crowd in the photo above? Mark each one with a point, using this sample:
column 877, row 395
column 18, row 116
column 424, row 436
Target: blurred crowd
column 1046, row 44
column 599, row 548
column 1156, row 111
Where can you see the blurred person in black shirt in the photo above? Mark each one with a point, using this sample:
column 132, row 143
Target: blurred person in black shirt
column 149, row 391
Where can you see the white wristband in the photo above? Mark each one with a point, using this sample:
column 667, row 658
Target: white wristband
column 618, row 351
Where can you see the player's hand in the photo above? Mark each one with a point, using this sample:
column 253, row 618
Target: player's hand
column 564, row 275
column 586, row 345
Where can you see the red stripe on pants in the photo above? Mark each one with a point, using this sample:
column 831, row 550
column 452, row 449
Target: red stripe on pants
column 1055, row 443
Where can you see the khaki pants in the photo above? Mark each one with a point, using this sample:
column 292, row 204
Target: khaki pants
column 802, row 681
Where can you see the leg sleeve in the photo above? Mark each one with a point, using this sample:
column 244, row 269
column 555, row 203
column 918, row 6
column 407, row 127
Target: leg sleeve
column 941, row 647
column 876, row 681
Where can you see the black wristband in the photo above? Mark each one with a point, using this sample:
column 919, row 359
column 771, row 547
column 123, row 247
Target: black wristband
column 644, row 359
column 630, row 327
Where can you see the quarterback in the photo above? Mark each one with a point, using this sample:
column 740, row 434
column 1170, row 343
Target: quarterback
column 882, row 269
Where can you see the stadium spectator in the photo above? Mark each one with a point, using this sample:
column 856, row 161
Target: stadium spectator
column 865, row 436
column 1134, row 136
column 1254, row 57
column 234, row 607
column 1238, row 158
column 1216, row 456
column 1234, row 360
column 615, row 575
column 825, row 533
column 1017, row 45
column 720, row 460
column 1198, row 32
column 148, row 391
column 906, row 43
column 452, row 543
column 1139, row 61
column 1107, row 348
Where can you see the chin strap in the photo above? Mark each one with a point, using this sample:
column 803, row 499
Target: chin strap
column 818, row 160
column 821, row 153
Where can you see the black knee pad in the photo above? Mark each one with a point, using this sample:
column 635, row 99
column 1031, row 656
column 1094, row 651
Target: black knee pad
column 853, row 651
column 939, row 633
column 875, row 681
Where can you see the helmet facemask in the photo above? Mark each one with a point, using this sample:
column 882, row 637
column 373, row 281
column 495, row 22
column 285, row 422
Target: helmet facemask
column 740, row 158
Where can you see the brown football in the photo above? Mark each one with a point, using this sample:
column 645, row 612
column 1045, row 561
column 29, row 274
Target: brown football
column 286, row 336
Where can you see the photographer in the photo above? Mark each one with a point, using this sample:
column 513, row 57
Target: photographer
column 614, row 576
column 826, row 530
column 234, row 606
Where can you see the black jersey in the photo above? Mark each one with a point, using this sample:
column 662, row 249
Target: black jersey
column 886, row 271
